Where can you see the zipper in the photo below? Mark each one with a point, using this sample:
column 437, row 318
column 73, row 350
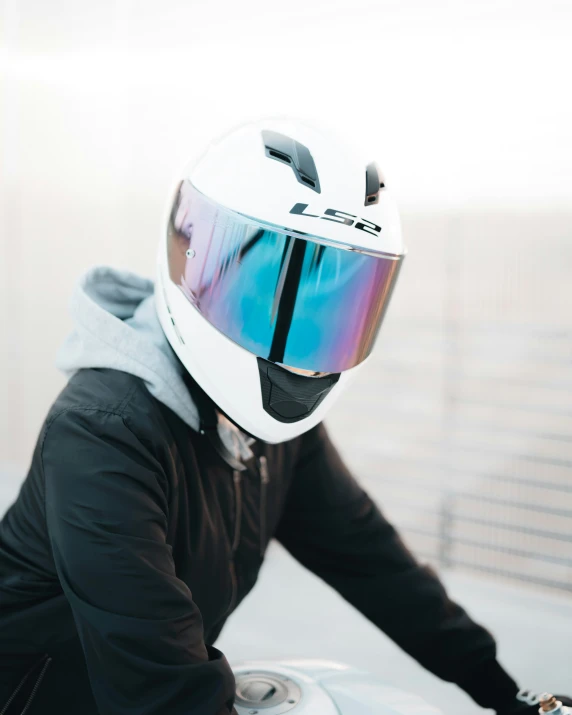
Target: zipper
column 237, row 481
column 264, row 479
column 236, row 478
column 36, row 686
column 46, row 660
column 234, row 592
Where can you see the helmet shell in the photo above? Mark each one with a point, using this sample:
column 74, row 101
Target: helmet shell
column 236, row 173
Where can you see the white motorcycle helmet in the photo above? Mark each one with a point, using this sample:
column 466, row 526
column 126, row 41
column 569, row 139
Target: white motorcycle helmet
column 280, row 254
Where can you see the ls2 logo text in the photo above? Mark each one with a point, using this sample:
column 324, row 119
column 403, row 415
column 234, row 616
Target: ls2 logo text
column 339, row 217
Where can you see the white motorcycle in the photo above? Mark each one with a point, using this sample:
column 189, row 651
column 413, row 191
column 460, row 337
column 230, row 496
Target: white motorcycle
column 320, row 687
column 316, row 687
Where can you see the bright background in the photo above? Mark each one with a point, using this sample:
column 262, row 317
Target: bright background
column 462, row 424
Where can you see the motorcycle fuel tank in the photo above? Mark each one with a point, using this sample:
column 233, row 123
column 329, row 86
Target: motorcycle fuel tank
column 315, row 687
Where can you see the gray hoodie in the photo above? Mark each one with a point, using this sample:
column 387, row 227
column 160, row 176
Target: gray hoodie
column 116, row 326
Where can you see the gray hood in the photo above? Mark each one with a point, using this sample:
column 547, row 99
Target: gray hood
column 116, row 326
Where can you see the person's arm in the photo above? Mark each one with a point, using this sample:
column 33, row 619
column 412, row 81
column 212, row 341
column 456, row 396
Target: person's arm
column 141, row 632
column 333, row 528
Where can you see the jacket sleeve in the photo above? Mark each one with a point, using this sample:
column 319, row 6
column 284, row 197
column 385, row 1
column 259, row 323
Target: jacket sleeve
column 334, row 529
column 141, row 632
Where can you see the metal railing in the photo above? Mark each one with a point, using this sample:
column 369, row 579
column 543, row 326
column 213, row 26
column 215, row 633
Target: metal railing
column 461, row 426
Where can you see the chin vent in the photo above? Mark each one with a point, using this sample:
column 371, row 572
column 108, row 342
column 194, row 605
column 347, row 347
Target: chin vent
column 289, row 397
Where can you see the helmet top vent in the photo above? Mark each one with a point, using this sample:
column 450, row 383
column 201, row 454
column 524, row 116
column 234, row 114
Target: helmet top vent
column 373, row 183
column 283, row 148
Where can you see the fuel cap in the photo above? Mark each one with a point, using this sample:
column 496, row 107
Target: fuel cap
column 261, row 691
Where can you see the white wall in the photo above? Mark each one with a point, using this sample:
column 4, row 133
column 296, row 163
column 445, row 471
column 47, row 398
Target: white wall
column 464, row 104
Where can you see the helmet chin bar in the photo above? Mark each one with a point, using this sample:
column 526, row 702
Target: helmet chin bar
column 289, row 397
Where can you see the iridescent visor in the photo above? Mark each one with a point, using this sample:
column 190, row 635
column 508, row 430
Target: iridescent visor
column 293, row 300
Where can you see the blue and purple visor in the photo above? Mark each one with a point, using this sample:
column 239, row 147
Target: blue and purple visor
column 288, row 298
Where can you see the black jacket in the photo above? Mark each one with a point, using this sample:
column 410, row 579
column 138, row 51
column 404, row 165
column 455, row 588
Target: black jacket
column 132, row 541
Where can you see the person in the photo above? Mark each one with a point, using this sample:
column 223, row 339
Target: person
column 191, row 433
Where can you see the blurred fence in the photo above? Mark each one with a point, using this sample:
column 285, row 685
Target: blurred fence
column 461, row 426
column 461, row 423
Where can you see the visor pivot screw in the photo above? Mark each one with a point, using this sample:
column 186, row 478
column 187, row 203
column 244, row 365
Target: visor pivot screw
column 190, row 253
